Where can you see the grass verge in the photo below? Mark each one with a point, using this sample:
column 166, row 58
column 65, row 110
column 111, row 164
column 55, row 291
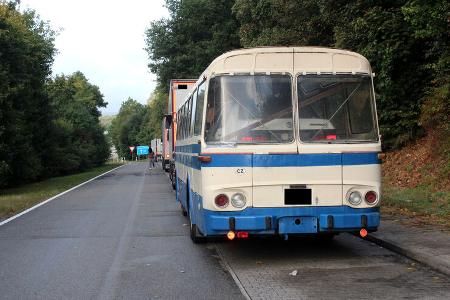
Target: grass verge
column 15, row 200
column 423, row 205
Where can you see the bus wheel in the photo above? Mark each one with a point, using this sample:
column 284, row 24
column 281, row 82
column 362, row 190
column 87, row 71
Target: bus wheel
column 196, row 237
column 183, row 211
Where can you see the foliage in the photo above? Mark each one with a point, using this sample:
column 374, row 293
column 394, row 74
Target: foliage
column 282, row 23
column 128, row 127
column 78, row 142
column 48, row 126
column 158, row 108
column 26, row 55
column 196, row 32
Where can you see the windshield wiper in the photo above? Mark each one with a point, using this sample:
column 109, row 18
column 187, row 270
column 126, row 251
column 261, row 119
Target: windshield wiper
column 337, row 110
column 257, row 123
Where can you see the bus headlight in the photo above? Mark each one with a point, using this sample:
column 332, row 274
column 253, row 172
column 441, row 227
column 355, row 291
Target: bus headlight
column 238, row 200
column 355, row 198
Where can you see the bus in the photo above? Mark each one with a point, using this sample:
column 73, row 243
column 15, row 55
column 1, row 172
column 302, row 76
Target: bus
column 280, row 141
column 179, row 89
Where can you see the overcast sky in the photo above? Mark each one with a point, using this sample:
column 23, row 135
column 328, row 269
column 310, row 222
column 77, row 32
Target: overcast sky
column 104, row 39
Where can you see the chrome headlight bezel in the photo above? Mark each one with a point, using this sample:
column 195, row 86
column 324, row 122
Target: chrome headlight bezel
column 354, row 198
column 238, row 200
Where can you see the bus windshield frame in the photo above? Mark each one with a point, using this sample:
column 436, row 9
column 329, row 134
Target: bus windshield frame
column 336, row 109
column 258, row 109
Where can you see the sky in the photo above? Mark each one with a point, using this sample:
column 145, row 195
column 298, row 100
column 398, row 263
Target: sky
column 104, row 39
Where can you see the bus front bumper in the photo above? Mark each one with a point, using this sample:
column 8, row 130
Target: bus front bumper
column 292, row 220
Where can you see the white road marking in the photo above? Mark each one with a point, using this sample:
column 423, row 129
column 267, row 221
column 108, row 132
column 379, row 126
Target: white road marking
column 54, row 197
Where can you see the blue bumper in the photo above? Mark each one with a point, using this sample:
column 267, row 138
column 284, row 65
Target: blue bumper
column 292, row 220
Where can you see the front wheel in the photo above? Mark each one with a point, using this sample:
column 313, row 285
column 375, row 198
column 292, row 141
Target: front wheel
column 196, row 237
column 183, row 211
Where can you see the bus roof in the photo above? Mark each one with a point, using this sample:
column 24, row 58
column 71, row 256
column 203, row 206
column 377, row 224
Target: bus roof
column 289, row 59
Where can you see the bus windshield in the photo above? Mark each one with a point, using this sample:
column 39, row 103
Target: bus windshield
column 336, row 109
column 249, row 109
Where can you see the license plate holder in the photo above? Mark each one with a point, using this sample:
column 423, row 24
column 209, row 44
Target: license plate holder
column 289, row 225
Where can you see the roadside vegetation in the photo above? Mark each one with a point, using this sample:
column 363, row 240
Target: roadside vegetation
column 48, row 126
column 416, row 181
column 15, row 200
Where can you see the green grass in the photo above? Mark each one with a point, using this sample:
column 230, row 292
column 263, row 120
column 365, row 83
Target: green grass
column 15, row 200
column 421, row 201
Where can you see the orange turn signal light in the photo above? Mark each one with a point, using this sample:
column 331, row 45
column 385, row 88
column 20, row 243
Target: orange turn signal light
column 231, row 235
column 204, row 158
column 363, row 232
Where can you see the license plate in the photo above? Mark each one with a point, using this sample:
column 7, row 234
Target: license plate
column 297, row 196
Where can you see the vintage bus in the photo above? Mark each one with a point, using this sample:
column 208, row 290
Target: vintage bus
column 280, row 141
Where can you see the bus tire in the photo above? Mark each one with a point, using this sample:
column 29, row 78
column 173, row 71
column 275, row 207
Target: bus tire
column 183, row 211
column 196, row 237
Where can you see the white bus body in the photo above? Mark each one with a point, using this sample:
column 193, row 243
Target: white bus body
column 280, row 141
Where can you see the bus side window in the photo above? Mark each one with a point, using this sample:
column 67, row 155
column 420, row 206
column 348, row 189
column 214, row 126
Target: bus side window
column 182, row 123
column 183, row 132
column 213, row 111
column 193, row 109
column 199, row 109
column 189, row 117
column 178, row 125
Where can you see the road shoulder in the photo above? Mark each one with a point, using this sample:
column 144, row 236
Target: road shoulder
column 427, row 245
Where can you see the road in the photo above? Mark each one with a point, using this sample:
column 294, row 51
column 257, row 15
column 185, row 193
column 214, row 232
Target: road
column 122, row 236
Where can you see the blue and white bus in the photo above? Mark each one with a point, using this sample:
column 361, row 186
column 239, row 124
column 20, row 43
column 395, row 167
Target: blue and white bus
column 280, row 141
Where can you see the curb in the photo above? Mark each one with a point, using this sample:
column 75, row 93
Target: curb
column 427, row 260
column 56, row 196
column 232, row 273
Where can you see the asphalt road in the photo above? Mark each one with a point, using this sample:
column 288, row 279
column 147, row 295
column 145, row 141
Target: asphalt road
column 122, row 236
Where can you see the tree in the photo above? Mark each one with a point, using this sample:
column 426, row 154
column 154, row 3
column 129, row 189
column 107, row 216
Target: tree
column 26, row 55
column 196, row 32
column 127, row 127
column 283, row 23
column 158, row 108
column 78, row 142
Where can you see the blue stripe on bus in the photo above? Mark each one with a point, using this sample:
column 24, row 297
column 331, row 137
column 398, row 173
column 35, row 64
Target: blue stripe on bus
column 279, row 160
column 297, row 160
column 192, row 148
column 367, row 158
